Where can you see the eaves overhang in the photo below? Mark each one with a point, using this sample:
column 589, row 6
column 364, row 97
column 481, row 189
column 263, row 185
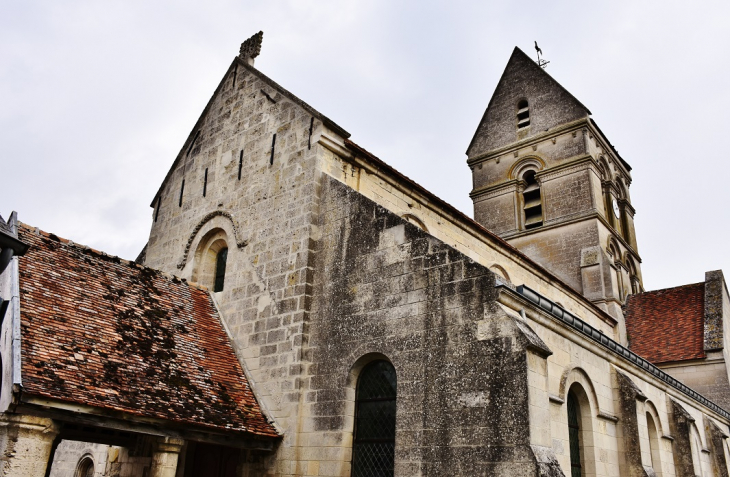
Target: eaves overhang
column 18, row 247
column 595, row 335
column 81, row 414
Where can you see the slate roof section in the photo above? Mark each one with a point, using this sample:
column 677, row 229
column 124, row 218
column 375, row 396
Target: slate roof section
column 667, row 325
column 108, row 333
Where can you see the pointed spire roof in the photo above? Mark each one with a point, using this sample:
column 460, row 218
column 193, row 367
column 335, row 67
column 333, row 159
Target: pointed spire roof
column 550, row 105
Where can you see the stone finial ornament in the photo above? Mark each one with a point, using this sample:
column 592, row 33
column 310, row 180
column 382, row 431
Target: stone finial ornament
column 251, row 48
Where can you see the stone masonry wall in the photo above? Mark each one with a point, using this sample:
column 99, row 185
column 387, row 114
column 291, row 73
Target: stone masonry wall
column 559, row 249
column 385, row 288
column 69, row 454
column 455, row 232
column 550, row 105
column 265, row 219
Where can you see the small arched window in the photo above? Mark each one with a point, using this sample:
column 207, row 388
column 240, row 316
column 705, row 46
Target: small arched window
column 574, row 435
column 85, row 468
column 532, row 201
column 220, row 269
column 373, row 452
column 653, row 443
column 633, row 276
column 523, row 114
column 696, row 447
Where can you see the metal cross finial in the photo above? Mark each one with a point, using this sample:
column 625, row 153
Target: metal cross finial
column 251, row 48
column 542, row 63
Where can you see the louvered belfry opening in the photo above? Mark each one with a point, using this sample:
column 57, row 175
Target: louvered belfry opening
column 532, row 201
column 523, row 114
column 574, row 435
column 374, row 443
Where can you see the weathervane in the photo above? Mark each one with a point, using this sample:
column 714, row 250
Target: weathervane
column 540, row 62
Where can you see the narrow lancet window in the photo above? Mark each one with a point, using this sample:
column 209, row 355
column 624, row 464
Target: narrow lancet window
column 182, row 190
column 220, row 269
column 574, row 435
column 523, row 114
column 205, row 182
column 373, row 453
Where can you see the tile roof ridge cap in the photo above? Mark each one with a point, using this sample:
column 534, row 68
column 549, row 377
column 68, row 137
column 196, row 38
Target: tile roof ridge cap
column 687, row 285
column 123, row 261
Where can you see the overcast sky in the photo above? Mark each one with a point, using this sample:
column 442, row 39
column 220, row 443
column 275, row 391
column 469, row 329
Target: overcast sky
column 96, row 99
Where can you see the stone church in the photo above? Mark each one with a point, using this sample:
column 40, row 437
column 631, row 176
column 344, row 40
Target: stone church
column 301, row 308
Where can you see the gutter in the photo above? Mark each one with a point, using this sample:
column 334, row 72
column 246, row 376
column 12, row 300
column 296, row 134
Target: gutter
column 595, row 335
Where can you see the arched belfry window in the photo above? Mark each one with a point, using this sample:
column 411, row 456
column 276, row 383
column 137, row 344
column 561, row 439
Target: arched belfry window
column 85, row 468
column 523, row 114
column 373, row 452
column 574, row 435
column 220, row 269
column 532, row 201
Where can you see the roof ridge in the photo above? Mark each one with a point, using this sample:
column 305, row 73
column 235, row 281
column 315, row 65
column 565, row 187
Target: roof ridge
column 668, row 289
column 237, row 61
column 114, row 258
column 473, row 223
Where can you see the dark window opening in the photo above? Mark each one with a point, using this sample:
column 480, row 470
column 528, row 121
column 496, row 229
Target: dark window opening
column 532, row 201
column 373, row 453
column 574, row 435
column 240, row 164
column 523, row 114
column 205, row 182
column 182, row 190
column 85, row 468
column 220, row 269
column 273, row 146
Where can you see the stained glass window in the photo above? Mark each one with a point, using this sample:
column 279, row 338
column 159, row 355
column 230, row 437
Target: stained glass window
column 374, row 444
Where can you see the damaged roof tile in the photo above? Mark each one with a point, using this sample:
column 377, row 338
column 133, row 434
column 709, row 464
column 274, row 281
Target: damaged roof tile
column 109, row 333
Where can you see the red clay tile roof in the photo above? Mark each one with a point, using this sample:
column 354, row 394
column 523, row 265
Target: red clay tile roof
column 104, row 332
column 667, row 325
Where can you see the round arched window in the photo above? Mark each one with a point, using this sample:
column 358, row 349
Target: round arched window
column 220, row 269
column 374, row 440
column 85, row 468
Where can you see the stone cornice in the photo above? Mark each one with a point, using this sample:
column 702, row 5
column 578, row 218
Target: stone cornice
column 572, row 219
column 607, row 149
column 494, row 191
column 562, row 129
column 458, row 219
column 638, row 365
column 581, row 163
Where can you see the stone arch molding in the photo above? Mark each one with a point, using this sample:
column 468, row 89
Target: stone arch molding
column 499, row 270
column 578, row 375
column 235, row 228
column 532, row 162
column 651, row 409
column 413, row 219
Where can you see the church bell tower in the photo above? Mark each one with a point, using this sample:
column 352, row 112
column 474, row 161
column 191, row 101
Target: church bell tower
column 549, row 182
